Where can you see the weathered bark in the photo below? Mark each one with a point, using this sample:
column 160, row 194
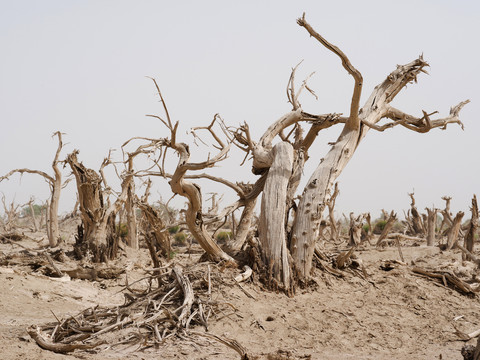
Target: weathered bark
column 331, row 214
column 98, row 219
column 11, row 215
column 32, row 215
column 272, row 215
column 55, row 183
column 312, row 202
column 454, row 230
column 446, row 214
column 56, row 188
column 194, row 215
column 431, row 224
column 355, row 231
column 154, row 228
column 371, row 227
column 472, row 230
column 132, row 236
column 243, row 227
column 417, row 222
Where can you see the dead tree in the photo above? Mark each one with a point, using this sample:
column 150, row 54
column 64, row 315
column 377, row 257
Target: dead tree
column 416, row 218
column 272, row 215
column 331, row 214
column 32, row 213
column 472, row 229
column 446, row 214
column 178, row 183
column 355, row 231
column 96, row 211
column 55, row 183
column 279, row 156
column 11, row 215
column 454, row 230
column 387, row 228
column 356, row 125
column 431, row 225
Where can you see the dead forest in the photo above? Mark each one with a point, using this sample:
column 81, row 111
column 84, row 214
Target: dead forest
column 275, row 238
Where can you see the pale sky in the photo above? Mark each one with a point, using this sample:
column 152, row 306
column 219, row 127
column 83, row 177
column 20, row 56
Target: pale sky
column 80, row 67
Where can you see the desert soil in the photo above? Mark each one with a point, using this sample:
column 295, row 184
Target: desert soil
column 388, row 314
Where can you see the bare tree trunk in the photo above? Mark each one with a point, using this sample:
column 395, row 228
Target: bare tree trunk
column 446, row 214
column 387, row 228
column 431, row 224
column 32, row 214
column 417, row 222
column 56, row 188
column 454, row 230
column 371, row 227
column 11, row 215
column 47, row 220
column 98, row 220
column 243, row 227
column 472, row 230
column 155, row 228
column 272, row 215
column 355, row 231
column 331, row 214
column 132, row 236
column 55, row 183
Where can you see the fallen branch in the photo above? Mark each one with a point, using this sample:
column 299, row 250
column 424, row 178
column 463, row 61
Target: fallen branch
column 465, row 337
column 247, row 272
column 45, row 343
column 233, row 344
column 447, row 279
column 188, row 296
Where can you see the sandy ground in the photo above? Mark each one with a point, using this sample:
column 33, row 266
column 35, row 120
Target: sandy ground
column 390, row 314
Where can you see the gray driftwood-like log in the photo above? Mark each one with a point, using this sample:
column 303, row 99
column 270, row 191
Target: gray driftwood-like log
column 272, row 215
column 55, row 183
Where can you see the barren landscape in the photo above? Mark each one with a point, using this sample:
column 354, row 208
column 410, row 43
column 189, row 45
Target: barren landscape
column 149, row 265
column 388, row 312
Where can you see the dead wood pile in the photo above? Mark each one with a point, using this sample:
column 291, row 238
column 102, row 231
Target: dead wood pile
column 169, row 305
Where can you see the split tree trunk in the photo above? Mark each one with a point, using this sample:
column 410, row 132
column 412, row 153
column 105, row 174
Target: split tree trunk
column 272, row 215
